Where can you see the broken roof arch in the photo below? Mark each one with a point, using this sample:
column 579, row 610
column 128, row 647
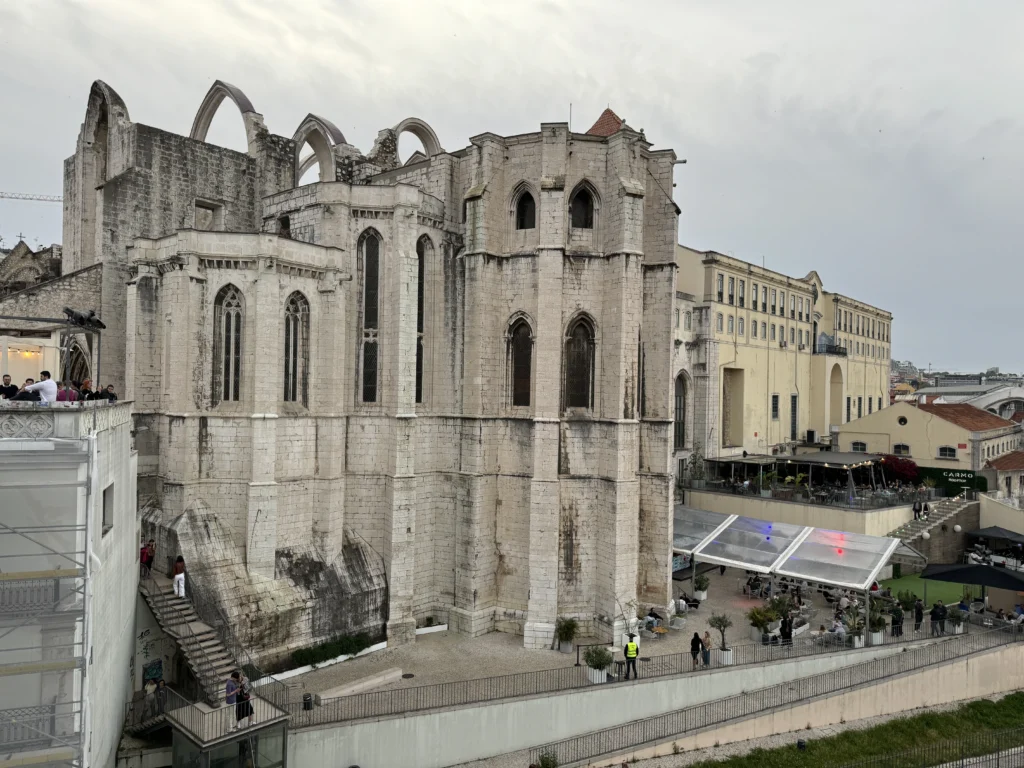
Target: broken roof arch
column 211, row 103
column 322, row 136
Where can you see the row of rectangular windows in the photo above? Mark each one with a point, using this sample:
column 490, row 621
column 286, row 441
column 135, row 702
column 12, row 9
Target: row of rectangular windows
column 851, row 322
column 797, row 304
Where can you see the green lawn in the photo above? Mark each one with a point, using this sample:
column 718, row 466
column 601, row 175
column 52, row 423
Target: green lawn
column 937, row 590
column 940, row 731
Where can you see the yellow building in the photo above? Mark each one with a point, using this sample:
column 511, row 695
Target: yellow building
column 946, row 436
column 765, row 362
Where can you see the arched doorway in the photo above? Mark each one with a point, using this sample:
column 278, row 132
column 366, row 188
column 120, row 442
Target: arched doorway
column 835, row 388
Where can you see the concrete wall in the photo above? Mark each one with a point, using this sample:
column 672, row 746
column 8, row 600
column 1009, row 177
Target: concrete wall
column 878, row 522
column 421, row 740
column 988, row 674
column 997, row 513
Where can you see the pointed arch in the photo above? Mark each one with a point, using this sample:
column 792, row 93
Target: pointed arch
column 519, row 359
column 370, row 249
column 421, row 131
column 106, row 114
column 523, row 206
column 322, row 136
column 579, row 366
column 681, row 402
column 584, row 204
column 424, row 255
column 211, row 103
column 296, row 349
column 228, row 332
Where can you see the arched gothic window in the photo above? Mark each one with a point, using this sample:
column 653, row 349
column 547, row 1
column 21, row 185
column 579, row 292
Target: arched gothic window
column 369, row 332
column 296, row 349
column 520, row 354
column 579, row 365
column 679, row 418
column 526, row 211
column 424, row 249
column 581, row 209
column 228, row 319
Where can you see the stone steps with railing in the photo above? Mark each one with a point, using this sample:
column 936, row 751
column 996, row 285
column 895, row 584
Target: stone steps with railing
column 201, row 646
column 938, row 513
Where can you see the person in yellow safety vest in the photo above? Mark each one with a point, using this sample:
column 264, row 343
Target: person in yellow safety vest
column 631, row 651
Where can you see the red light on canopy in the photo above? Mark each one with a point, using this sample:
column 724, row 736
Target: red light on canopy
column 839, row 551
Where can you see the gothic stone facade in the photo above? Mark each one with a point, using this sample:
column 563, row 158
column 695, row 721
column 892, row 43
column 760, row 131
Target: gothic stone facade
column 457, row 367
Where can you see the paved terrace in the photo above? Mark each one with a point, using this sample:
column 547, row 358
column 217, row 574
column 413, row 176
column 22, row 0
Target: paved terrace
column 445, row 657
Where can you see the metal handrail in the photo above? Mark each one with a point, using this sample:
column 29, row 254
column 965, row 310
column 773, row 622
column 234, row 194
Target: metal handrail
column 487, row 689
column 665, row 727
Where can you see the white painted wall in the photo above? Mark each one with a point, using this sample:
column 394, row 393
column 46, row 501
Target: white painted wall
column 425, row 740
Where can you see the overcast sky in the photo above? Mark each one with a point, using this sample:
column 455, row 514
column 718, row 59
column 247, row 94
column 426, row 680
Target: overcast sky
column 879, row 143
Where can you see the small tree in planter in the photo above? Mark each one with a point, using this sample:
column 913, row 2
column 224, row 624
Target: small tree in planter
column 956, row 617
column 695, row 464
column 855, row 627
column 721, row 622
column 906, row 600
column 598, row 659
column 876, row 623
column 700, row 586
column 767, row 483
column 760, row 618
column 566, row 630
column 929, row 485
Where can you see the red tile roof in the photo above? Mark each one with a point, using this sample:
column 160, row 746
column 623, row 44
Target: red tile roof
column 1017, row 417
column 1010, row 461
column 608, row 124
column 966, row 416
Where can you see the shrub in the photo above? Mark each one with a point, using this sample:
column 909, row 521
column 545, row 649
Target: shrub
column 956, row 616
column 597, row 657
column 566, row 630
column 906, row 599
column 761, row 617
column 339, row 646
column 701, row 582
column 721, row 622
column 547, row 760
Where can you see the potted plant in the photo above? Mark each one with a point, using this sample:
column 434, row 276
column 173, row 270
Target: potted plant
column 855, row 628
column 696, row 467
column 700, row 587
column 876, row 624
column 929, row 486
column 598, row 659
column 767, row 482
column 760, row 618
column 800, row 625
column 566, row 630
column 956, row 617
column 721, row 622
column 906, row 600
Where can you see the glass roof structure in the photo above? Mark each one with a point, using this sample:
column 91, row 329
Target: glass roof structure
column 849, row 560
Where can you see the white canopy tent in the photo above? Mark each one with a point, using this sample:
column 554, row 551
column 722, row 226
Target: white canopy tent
column 833, row 558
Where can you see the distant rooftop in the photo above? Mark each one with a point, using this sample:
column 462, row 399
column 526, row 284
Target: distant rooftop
column 961, row 389
column 966, row 416
column 608, row 124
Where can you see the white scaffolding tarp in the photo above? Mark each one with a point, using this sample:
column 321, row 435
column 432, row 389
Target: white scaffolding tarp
column 850, row 560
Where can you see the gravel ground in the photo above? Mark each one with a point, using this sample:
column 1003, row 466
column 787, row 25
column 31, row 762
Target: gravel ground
column 446, row 656
column 521, row 759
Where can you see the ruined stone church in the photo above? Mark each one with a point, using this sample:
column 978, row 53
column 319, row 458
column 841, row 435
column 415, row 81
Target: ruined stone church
column 437, row 388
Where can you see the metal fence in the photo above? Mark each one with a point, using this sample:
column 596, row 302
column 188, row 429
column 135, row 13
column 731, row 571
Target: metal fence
column 996, row 749
column 413, row 699
column 828, row 497
column 665, row 727
column 25, row 728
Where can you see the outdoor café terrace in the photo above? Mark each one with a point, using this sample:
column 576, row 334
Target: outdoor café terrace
column 842, row 491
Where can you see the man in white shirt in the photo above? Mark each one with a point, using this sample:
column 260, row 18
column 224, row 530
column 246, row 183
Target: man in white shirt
column 46, row 387
column 844, row 602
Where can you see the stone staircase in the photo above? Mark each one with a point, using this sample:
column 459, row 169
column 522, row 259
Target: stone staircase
column 200, row 644
column 939, row 512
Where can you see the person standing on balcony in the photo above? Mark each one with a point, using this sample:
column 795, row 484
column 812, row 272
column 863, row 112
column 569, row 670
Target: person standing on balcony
column 231, row 696
column 147, row 556
column 631, row 651
column 179, row 577
column 244, row 707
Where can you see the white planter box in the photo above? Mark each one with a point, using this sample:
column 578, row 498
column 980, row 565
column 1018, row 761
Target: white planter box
column 958, row 630
column 698, row 595
column 801, row 629
column 303, row 670
column 877, row 638
column 597, row 676
column 565, row 647
column 857, row 641
column 755, row 634
column 724, row 656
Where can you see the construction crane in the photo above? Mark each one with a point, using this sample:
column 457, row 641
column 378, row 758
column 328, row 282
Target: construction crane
column 38, row 198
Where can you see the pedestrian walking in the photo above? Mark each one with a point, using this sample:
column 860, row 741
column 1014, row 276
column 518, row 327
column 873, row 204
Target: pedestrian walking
column 631, row 651
column 918, row 614
column 179, row 577
column 696, row 646
column 917, row 510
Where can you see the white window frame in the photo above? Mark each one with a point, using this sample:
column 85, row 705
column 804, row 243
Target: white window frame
column 855, row 449
column 942, row 448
